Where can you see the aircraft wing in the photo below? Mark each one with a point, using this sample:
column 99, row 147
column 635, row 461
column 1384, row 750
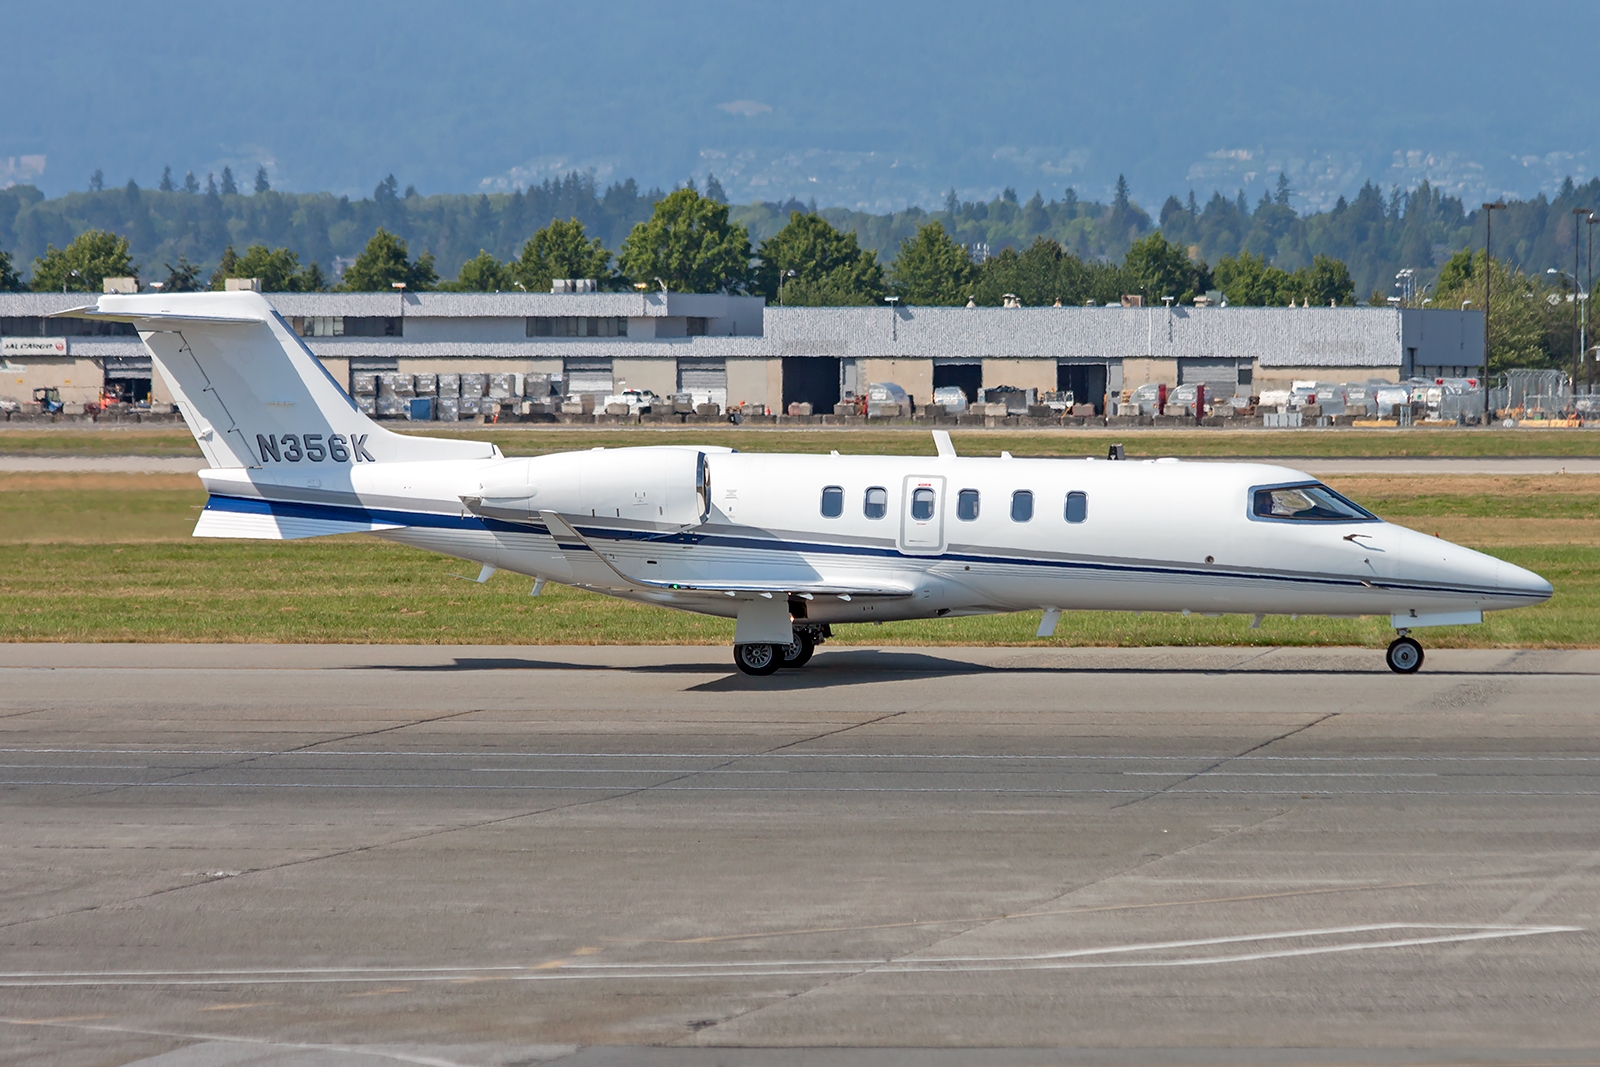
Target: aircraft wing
column 564, row 530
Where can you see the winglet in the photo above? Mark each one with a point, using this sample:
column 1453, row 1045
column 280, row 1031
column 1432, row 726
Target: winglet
column 941, row 441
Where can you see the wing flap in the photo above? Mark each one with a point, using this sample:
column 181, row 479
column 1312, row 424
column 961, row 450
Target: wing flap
column 562, row 529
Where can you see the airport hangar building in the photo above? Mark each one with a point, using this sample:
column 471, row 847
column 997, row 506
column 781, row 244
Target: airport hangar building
column 759, row 355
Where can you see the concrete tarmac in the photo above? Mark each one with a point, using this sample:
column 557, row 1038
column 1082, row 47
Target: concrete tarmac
column 526, row 855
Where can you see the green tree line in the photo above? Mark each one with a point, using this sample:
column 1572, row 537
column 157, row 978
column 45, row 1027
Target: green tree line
column 1375, row 233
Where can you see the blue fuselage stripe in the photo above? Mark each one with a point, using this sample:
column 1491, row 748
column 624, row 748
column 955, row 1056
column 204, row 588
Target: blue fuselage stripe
column 435, row 520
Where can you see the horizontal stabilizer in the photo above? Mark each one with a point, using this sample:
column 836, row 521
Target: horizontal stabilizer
column 261, row 520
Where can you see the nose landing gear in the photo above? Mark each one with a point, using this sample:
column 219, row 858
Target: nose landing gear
column 1404, row 655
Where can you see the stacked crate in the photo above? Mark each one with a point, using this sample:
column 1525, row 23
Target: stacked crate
column 473, row 387
column 364, row 390
column 394, row 395
column 449, row 409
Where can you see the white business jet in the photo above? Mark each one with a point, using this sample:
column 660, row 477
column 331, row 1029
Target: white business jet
column 788, row 545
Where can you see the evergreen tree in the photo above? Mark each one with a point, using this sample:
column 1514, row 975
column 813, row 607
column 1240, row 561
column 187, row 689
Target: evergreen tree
column 227, row 268
column 561, row 250
column 10, row 281
column 482, row 273
column 808, row 262
column 714, row 190
column 1157, row 268
column 191, row 184
column 166, row 180
column 932, row 269
column 229, row 187
column 184, row 278
column 689, row 244
column 262, row 185
column 386, row 261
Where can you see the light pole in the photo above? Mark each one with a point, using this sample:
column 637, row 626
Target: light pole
column 782, row 276
column 400, row 291
column 1589, row 370
column 1488, row 276
column 1578, row 213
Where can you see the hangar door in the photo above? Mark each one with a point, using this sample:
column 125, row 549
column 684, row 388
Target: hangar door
column 704, row 379
column 968, row 377
column 129, row 378
column 588, row 376
column 1087, row 381
column 811, row 380
column 1221, row 376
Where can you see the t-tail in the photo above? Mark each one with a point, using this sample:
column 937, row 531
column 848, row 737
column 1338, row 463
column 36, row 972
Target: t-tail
column 250, row 390
column 274, row 426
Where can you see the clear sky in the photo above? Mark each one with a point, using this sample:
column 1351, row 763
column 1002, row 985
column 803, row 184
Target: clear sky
column 870, row 105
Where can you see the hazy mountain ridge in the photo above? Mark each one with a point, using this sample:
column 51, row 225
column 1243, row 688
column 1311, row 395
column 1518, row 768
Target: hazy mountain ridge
column 873, row 107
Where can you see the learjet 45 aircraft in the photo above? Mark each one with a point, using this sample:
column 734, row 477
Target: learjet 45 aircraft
column 788, row 545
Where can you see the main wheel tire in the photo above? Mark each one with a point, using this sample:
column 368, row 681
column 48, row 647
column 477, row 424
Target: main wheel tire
column 758, row 659
column 797, row 652
column 1404, row 656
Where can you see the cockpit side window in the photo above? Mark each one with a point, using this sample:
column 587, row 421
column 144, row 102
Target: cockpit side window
column 1311, row 502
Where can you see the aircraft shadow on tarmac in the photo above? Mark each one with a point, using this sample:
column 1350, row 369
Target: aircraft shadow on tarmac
column 859, row 666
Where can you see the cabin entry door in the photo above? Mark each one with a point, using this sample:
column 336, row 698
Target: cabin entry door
column 922, row 515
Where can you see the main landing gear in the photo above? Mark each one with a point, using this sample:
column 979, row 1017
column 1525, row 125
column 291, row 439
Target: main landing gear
column 767, row 659
column 1404, row 655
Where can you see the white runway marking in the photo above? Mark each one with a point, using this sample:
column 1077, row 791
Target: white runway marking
column 1183, row 953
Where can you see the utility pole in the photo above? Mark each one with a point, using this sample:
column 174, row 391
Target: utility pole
column 1488, row 276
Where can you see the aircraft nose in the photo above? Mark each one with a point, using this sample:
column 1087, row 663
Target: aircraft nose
column 1522, row 583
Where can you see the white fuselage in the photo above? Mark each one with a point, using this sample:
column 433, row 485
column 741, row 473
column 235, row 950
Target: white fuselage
column 1144, row 536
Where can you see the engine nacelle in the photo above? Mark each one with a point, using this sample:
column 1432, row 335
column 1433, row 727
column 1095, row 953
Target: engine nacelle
column 665, row 485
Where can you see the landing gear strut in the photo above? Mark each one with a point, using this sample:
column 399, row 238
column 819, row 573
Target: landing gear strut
column 1404, row 655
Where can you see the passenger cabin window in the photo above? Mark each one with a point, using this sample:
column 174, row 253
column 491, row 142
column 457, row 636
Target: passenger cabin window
column 967, row 505
column 877, row 503
column 1021, row 506
column 1077, row 507
column 832, row 502
column 922, row 504
column 1308, row 503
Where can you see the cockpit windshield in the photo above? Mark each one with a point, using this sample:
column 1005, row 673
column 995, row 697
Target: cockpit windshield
column 1312, row 502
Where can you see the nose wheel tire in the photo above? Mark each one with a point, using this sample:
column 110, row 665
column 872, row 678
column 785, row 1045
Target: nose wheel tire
column 1404, row 656
column 797, row 652
column 758, row 659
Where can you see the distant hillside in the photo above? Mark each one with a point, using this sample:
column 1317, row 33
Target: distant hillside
column 873, row 106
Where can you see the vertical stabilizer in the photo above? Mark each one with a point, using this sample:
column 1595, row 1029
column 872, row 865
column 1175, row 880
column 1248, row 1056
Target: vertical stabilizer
column 252, row 393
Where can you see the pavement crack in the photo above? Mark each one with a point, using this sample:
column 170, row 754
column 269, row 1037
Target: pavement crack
column 1224, row 760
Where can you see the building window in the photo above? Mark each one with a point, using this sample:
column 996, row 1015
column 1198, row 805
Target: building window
column 967, row 505
column 348, row 325
column 1077, row 507
column 832, row 502
column 1021, row 506
column 876, row 505
column 577, row 326
column 48, row 326
column 696, row 326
